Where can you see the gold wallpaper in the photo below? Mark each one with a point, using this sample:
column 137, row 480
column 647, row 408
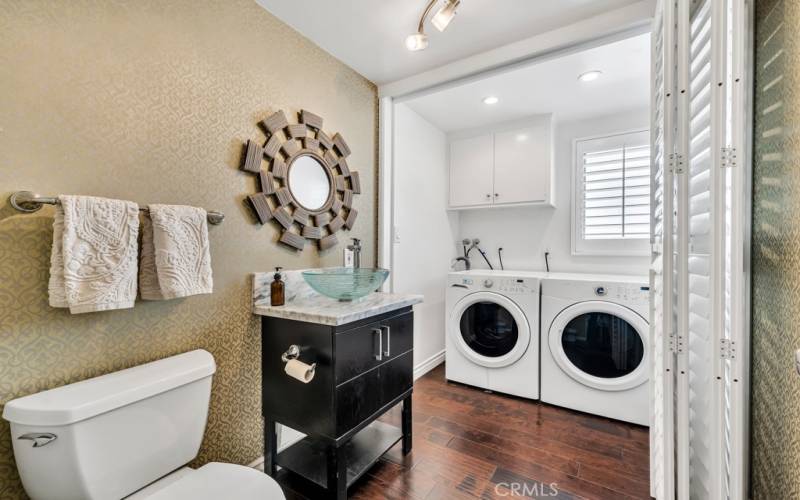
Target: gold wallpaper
column 152, row 101
column 776, row 253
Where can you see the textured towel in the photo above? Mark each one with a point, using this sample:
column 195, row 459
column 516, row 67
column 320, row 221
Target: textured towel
column 149, row 288
column 93, row 260
column 57, row 290
column 175, row 259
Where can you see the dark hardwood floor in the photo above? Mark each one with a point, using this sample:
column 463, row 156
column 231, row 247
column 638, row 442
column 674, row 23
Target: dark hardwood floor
column 473, row 444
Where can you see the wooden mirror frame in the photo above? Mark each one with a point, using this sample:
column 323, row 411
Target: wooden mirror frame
column 275, row 201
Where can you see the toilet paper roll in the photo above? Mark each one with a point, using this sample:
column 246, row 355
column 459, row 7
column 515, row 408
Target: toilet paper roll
column 299, row 370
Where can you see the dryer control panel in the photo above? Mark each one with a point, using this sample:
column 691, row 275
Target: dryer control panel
column 634, row 294
column 624, row 293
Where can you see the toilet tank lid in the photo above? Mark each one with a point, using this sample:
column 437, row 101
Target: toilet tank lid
column 85, row 399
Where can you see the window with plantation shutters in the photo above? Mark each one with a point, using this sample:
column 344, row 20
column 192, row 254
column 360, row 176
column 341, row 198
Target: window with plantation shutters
column 612, row 194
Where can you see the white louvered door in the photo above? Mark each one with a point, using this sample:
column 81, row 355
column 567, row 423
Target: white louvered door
column 707, row 271
column 701, row 461
column 662, row 296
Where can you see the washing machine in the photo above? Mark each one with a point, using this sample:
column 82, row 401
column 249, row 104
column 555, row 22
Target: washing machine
column 595, row 350
column 492, row 339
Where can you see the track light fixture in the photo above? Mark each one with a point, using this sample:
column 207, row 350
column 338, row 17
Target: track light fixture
column 442, row 18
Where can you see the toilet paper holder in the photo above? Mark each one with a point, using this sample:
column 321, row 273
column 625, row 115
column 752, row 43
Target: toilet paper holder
column 296, row 368
column 293, row 352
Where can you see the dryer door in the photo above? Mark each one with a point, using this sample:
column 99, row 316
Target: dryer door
column 601, row 345
column 489, row 329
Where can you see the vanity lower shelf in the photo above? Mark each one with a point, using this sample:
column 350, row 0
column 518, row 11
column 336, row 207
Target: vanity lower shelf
column 307, row 457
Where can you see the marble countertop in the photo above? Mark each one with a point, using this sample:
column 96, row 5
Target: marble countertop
column 304, row 304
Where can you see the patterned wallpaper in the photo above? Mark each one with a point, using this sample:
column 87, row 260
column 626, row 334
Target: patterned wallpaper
column 776, row 253
column 151, row 101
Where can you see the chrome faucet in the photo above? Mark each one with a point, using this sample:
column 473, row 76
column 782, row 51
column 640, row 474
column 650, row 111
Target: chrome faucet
column 356, row 249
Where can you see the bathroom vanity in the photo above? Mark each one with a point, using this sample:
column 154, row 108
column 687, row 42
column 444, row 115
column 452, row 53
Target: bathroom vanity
column 363, row 355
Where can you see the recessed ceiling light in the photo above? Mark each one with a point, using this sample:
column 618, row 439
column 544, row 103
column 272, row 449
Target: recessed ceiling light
column 490, row 100
column 590, row 76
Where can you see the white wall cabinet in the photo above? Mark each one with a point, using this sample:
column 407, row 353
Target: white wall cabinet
column 471, row 171
column 510, row 166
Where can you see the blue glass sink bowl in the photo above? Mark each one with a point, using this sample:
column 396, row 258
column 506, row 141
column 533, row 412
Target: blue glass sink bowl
column 345, row 283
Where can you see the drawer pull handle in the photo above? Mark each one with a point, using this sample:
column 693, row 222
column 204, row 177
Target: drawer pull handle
column 388, row 351
column 379, row 354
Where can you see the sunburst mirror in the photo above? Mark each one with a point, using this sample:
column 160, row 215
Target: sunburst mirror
column 307, row 188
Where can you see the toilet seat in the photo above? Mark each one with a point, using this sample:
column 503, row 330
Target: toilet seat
column 218, row 480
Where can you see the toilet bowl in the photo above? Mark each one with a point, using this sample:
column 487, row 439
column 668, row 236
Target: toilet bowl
column 213, row 481
column 127, row 434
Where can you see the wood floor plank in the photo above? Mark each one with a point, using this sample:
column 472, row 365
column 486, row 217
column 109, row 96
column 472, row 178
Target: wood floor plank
column 509, row 446
column 539, row 473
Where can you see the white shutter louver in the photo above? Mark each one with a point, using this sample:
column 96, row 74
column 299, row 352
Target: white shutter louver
column 616, row 188
column 662, row 449
column 701, row 348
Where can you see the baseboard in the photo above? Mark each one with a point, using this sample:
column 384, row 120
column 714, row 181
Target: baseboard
column 429, row 364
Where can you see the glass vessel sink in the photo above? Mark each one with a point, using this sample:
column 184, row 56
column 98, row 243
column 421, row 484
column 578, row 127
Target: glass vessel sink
column 345, row 283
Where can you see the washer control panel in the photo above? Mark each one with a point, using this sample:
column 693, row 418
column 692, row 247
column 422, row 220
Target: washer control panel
column 502, row 285
column 518, row 285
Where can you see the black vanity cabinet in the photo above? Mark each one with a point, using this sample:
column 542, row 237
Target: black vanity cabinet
column 363, row 369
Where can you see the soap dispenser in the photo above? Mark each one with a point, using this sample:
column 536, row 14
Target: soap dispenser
column 277, row 289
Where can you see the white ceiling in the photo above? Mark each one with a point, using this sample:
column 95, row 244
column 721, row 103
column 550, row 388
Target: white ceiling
column 369, row 35
column 549, row 87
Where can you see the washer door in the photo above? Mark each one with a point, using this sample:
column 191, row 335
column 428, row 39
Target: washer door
column 489, row 329
column 601, row 345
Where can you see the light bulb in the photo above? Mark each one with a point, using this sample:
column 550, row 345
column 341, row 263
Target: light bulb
column 417, row 41
column 445, row 15
column 491, row 100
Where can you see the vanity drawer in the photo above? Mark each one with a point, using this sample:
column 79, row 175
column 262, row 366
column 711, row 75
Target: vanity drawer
column 397, row 376
column 365, row 347
column 361, row 397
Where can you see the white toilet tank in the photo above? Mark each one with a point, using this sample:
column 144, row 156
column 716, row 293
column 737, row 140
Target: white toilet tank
column 108, row 436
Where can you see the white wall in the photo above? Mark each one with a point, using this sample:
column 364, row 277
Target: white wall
column 526, row 233
column 423, row 246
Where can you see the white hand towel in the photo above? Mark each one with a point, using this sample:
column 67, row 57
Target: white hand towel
column 180, row 253
column 97, row 257
column 57, row 290
column 149, row 288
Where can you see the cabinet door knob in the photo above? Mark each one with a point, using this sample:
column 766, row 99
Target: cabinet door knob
column 488, row 195
column 496, row 195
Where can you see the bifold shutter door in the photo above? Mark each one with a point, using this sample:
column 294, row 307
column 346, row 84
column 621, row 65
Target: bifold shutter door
column 662, row 472
column 703, row 445
column 699, row 318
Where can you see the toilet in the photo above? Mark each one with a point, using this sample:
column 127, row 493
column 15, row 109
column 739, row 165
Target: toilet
column 127, row 434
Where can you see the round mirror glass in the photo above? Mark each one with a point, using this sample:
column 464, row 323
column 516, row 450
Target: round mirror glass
column 309, row 182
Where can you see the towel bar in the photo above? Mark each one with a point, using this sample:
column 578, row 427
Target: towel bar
column 28, row 202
